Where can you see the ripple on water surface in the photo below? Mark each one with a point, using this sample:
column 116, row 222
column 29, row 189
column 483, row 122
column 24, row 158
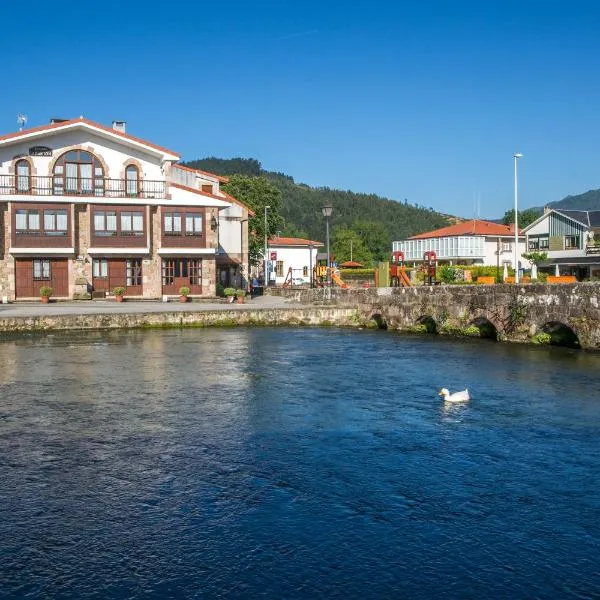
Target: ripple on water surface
column 296, row 464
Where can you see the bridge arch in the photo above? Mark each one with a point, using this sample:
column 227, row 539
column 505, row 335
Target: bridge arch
column 487, row 329
column 429, row 322
column 379, row 320
column 560, row 334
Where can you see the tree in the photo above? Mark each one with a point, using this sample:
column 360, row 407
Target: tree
column 375, row 237
column 347, row 243
column 257, row 192
column 526, row 217
column 535, row 257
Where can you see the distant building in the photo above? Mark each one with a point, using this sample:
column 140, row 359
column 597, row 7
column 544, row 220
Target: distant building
column 571, row 238
column 473, row 242
column 298, row 254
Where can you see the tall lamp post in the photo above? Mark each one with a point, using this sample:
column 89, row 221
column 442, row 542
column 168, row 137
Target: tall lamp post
column 266, row 282
column 327, row 210
column 310, row 257
column 516, row 156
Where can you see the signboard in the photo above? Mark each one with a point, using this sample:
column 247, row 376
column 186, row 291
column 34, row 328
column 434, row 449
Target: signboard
column 273, row 255
column 40, row 151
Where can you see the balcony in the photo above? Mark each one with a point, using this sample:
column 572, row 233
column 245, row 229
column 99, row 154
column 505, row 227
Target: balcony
column 99, row 187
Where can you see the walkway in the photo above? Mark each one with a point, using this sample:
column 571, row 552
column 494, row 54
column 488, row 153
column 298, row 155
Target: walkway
column 97, row 307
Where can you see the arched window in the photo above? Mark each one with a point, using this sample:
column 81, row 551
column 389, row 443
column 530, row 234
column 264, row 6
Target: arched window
column 23, row 171
column 132, row 180
column 78, row 172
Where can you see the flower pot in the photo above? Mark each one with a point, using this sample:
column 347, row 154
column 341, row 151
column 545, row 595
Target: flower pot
column 183, row 298
column 119, row 298
column 44, row 299
column 240, row 299
column 230, row 299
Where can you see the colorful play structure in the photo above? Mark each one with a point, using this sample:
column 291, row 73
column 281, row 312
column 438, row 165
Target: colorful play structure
column 398, row 275
column 320, row 272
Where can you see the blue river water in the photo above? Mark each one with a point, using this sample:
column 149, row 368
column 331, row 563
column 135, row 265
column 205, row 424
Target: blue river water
column 296, row 463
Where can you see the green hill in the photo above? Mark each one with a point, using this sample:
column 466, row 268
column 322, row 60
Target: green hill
column 302, row 204
column 589, row 200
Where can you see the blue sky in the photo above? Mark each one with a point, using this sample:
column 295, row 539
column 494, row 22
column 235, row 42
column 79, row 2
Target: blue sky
column 420, row 100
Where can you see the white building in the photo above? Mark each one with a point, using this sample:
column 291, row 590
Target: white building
column 297, row 254
column 473, row 242
column 86, row 208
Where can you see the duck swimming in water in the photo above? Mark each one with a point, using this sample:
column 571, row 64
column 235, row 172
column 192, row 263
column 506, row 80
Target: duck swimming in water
column 456, row 397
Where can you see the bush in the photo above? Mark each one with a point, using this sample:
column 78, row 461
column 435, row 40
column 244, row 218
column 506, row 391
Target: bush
column 542, row 338
column 229, row 291
column 357, row 273
column 118, row 291
column 184, row 291
column 447, row 273
column 220, row 290
column 472, row 331
column 240, row 293
column 46, row 291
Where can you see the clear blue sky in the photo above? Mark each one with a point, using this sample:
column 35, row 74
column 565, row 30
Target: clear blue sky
column 420, row 100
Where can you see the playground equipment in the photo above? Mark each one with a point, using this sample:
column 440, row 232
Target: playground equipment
column 398, row 276
column 320, row 273
column 430, row 265
column 294, row 277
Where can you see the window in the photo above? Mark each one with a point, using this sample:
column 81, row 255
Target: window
column 105, row 222
column 182, row 268
column 132, row 180
column 195, row 271
column 193, row 224
column 23, row 171
column 100, row 268
column 133, row 271
column 27, row 221
column 132, row 223
column 534, row 243
column 544, row 243
column 279, row 268
column 506, row 246
column 172, row 223
column 207, row 188
column 571, row 241
column 41, row 269
column 78, row 172
column 55, row 222
column 304, row 271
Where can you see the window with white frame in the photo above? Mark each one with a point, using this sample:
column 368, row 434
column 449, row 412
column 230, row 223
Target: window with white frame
column 571, row 241
column 105, row 222
column 55, row 222
column 100, row 268
column 132, row 223
column 172, row 223
column 27, row 221
column 193, row 224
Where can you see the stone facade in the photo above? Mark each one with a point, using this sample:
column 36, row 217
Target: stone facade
column 7, row 262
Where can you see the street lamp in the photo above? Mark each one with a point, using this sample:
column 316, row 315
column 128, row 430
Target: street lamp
column 310, row 257
column 266, row 282
column 327, row 210
column 516, row 156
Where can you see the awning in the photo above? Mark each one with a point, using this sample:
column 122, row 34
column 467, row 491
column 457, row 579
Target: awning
column 572, row 261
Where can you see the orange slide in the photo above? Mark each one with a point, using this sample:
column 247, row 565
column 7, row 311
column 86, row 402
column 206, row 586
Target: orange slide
column 339, row 281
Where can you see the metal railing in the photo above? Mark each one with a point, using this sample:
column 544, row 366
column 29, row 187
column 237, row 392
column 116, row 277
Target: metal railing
column 99, row 187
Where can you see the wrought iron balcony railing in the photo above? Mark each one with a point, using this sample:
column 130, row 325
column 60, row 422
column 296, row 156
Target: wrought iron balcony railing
column 98, row 187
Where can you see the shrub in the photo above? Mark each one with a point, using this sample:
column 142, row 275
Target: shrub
column 447, row 273
column 184, row 291
column 472, row 331
column 46, row 291
column 542, row 338
column 118, row 291
column 240, row 293
column 220, row 289
column 229, row 291
column 419, row 328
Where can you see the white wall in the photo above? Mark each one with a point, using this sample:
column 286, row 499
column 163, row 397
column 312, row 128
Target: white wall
column 296, row 257
column 508, row 256
column 112, row 153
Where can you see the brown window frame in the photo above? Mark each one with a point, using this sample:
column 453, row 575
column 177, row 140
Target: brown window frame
column 172, row 215
column 130, row 214
column 105, row 232
column 99, row 262
column 28, row 213
column 193, row 216
column 96, row 181
column 133, row 271
column 279, row 268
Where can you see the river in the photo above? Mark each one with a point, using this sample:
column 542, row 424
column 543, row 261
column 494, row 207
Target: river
column 296, row 463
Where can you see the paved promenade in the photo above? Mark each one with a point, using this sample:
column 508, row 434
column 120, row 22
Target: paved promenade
column 97, row 307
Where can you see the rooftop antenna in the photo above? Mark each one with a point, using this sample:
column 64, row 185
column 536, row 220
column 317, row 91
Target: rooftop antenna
column 21, row 121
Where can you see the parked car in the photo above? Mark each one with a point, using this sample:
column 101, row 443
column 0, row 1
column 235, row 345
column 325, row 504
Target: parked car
column 299, row 281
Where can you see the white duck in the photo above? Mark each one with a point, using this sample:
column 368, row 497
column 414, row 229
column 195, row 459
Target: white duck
column 456, row 397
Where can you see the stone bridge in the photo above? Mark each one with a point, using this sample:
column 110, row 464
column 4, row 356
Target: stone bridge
column 565, row 314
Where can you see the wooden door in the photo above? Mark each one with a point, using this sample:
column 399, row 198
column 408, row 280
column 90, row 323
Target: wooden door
column 32, row 274
column 181, row 271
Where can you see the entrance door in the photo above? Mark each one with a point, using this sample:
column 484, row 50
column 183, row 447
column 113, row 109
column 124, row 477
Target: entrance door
column 180, row 272
column 108, row 273
column 32, row 274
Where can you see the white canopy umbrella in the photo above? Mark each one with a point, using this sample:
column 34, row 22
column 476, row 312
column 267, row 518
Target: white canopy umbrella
column 556, row 270
column 505, row 275
column 533, row 271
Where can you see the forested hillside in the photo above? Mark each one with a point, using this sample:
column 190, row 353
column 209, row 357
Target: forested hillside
column 378, row 221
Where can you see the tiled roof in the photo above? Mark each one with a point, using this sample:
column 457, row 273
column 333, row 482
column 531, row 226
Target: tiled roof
column 67, row 124
column 581, row 216
column 472, row 227
column 290, row 241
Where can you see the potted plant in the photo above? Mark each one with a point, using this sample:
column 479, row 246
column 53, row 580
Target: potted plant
column 184, row 292
column 240, row 296
column 118, row 292
column 230, row 294
column 45, row 293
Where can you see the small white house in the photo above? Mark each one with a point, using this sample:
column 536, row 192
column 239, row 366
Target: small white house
column 297, row 254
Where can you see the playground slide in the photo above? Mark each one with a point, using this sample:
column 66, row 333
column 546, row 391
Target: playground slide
column 337, row 279
column 404, row 280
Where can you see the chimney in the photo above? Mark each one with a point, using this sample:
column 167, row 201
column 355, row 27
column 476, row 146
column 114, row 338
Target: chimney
column 547, row 209
column 119, row 126
column 55, row 120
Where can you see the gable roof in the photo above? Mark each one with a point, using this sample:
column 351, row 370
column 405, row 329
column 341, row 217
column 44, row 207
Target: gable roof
column 472, row 227
column 43, row 130
column 587, row 218
column 581, row 216
column 220, row 178
column 291, row 241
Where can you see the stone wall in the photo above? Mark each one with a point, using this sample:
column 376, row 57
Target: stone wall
column 7, row 262
column 517, row 313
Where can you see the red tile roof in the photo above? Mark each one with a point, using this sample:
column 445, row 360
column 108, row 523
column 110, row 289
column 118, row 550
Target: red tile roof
column 290, row 241
column 41, row 128
column 472, row 227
